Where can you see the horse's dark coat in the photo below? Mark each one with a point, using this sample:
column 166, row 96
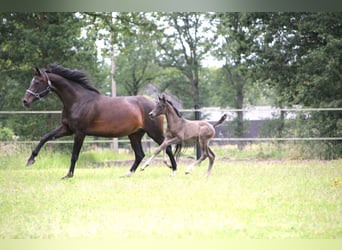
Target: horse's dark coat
column 87, row 112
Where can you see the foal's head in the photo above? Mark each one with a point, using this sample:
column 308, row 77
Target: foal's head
column 40, row 86
column 164, row 106
column 160, row 108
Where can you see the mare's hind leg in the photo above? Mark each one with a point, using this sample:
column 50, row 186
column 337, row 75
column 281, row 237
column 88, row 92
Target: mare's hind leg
column 211, row 156
column 135, row 140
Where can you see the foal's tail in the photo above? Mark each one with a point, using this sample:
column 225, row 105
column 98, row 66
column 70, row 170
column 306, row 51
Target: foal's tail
column 221, row 120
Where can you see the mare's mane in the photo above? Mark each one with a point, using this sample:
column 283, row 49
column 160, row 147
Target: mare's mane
column 74, row 75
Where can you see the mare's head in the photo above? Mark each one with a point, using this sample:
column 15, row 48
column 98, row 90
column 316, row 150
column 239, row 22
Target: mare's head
column 40, row 86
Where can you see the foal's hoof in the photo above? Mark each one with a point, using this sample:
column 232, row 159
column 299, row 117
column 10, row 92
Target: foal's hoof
column 129, row 174
column 187, row 172
column 143, row 167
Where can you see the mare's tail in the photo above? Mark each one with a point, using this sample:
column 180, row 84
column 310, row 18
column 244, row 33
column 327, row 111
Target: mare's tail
column 221, row 120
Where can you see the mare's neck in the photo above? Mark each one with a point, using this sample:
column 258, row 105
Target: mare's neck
column 67, row 92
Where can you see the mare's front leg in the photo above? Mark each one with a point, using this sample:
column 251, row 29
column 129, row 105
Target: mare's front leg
column 78, row 142
column 57, row 133
column 165, row 159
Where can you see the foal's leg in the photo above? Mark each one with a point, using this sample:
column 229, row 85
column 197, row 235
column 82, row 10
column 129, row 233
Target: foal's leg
column 157, row 135
column 204, row 155
column 163, row 146
column 57, row 133
column 158, row 150
column 211, row 161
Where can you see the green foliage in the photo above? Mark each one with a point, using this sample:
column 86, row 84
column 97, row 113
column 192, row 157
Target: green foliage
column 135, row 67
column 38, row 39
column 183, row 44
column 6, row 134
column 301, row 61
column 321, row 124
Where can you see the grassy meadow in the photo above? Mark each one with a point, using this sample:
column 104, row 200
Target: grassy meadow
column 257, row 193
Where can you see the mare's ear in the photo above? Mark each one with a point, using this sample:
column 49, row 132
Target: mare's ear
column 164, row 98
column 37, row 71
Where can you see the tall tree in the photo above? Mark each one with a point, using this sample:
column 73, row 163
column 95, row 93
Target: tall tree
column 130, row 34
column 135, row 62
column 235, row 47
column 184, row 42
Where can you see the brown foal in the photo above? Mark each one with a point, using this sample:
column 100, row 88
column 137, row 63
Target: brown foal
column 180, row 129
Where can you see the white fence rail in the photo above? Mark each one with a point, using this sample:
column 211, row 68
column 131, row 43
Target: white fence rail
column 203, row 110
column 185, row 110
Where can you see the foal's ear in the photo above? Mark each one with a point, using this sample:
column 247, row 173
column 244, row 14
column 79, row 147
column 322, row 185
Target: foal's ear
column 37, row 71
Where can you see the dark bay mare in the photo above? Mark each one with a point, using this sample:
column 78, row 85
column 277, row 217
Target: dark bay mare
column 87, row 112
column 180, row 129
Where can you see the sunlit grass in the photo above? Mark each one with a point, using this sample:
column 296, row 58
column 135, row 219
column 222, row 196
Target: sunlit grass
column 242, row 199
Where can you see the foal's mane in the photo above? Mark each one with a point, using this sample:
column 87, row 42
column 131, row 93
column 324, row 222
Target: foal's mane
column 74, row 75
column 174, row 108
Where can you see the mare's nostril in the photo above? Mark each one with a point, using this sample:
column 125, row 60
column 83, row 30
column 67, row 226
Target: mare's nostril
column 25, row 103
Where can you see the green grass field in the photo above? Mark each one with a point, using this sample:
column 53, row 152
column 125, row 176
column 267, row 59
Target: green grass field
column 265, row 199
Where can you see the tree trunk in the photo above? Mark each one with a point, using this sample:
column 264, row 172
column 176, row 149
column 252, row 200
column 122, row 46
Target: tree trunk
column 115, row 143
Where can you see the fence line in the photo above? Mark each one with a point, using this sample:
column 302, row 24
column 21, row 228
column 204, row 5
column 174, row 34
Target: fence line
column 186, row 110
column 30, row 112
column 232, row 139
column 271, row 109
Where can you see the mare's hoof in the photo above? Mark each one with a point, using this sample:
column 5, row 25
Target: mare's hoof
column 30, row 162
column 68, row 176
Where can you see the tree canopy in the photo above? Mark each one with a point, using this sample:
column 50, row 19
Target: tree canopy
column 279, row 58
